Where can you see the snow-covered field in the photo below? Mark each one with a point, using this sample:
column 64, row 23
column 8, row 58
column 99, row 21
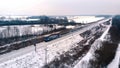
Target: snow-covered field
column 36, row 59
column 84, row 19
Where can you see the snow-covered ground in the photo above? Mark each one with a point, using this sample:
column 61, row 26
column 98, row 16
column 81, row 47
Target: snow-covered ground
column 70, row 27
column 62, row 46
column 36, row 59
column 84, row 19
column 50, row 50
column 85, row 61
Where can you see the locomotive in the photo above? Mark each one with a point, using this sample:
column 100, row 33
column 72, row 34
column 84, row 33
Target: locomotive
column 51, row 37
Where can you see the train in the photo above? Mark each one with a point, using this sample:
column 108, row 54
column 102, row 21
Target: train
column 55, row 35
column 51, row 37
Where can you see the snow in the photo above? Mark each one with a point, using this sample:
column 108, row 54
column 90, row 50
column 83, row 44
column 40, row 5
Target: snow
column 85, row 61
column 84, row 19
column 105, row 33
column 23, row 18
column 37, row 59
column 37, row 29
column 116, row 61
column 58, row 27
column 70, row 27
column 20, row 30
column 30, row 19
column 26, row 61
column 62, row 46
column 9, row 18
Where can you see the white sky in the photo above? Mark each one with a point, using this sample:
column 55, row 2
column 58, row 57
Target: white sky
column 59, row 7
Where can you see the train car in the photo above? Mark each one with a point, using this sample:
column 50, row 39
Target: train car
column 51, row 37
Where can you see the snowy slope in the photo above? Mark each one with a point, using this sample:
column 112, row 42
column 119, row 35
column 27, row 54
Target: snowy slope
column 85, row 62
column 37, row 59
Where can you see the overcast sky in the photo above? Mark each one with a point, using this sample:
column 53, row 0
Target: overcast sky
column 59, row 7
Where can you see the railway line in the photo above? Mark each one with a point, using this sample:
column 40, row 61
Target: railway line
column 30, row 41
column 25, row 50
column 38, row 39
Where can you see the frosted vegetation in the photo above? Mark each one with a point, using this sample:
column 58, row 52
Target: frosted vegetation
column 21, row 30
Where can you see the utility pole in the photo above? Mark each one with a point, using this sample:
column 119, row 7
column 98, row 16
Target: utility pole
column 46, row 56
column 34, row 40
